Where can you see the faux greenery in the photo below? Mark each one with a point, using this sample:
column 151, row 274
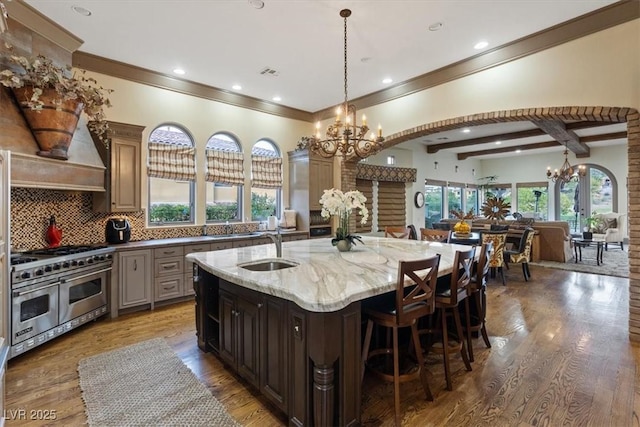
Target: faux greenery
column 41, row 73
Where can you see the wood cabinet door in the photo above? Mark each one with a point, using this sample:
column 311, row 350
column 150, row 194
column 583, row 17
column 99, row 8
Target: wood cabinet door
column 274, row 360
column 134, row 278
column 125, row 176
column 228, row 328
column 248, row 339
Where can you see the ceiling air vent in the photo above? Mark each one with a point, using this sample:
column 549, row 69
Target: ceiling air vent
column 267, row 71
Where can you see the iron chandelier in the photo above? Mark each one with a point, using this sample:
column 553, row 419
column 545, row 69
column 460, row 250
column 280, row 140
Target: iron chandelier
column 567, row 173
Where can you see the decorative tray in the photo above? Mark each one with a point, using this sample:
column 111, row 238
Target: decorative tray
column 461, row 235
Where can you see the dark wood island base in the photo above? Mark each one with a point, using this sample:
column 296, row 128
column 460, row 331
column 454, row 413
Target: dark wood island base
column 306, row 363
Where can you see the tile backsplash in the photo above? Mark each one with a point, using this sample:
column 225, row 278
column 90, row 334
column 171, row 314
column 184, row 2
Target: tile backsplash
column 31, row 209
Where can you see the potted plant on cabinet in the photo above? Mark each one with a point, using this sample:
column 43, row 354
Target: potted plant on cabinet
column 52, row 99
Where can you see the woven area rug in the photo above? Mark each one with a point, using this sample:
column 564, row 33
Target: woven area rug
column 615, row 262
column 146, row 384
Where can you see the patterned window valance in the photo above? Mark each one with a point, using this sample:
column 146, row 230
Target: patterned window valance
column 385, row 173
column 266, row 172
column 225, row 167
column 172, row 161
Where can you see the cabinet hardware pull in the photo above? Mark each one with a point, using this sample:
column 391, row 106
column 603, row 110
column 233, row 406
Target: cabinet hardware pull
column 168, row 252
column 135, row 265
column 259, row 305
column 296, row 328
column 166, row 267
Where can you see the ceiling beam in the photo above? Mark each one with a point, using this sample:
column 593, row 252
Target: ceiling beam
column 434, row 148
column 557, row 130
column 548, row 144
column 545, row 144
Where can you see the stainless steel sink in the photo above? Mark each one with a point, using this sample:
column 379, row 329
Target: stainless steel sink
column 268, row 265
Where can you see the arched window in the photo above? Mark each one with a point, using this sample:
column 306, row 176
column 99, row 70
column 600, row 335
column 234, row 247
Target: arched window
column 225, row 178
column 172, row 173
column 266, row 180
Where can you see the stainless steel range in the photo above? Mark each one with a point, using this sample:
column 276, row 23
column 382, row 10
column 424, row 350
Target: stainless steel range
column 55, row 290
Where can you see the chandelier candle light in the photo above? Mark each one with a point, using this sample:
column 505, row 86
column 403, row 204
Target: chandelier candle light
column 567, row 173
column 346, row 137
column 335, row 202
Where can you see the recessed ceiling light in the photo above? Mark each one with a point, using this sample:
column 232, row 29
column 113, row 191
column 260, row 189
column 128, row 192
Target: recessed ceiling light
column 518, row 150
column 179, row 71
column 81, row 10
column 277, row 99
column 365, row 59
column 435, row 26
column 256, row 4
column 387, row 80
column 236, row 87
column 467, row 130
column 481, row 45
column 498, row 142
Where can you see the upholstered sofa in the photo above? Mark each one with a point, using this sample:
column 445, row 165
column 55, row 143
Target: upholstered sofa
column 612, row 227
column 554, row 237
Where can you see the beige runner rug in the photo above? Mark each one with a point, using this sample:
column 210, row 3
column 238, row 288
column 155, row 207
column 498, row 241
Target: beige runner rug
column 146, row 384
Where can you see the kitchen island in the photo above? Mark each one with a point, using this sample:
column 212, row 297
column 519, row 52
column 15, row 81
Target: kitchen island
column 294, row 333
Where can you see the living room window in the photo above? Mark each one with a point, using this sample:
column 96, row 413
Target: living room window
column 266, row 180
column 533, row 200
column 225, row 178
column 172, row 174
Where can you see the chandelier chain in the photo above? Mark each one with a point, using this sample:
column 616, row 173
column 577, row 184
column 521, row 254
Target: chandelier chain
column 346, row 98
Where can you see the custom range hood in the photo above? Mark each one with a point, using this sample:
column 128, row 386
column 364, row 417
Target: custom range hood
column 84, row 171
column 30, row 34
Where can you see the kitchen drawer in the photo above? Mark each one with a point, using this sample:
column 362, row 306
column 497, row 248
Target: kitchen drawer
column 217, row 246
column 169, row 287
column 200, row 247
column 242, row 243
column 169, row 266
column 169, row 251
column 262, row 241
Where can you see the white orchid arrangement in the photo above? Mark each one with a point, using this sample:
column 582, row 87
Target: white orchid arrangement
column 335, row 202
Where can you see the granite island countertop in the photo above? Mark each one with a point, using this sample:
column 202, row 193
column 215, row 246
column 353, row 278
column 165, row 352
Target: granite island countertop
column 325, row 279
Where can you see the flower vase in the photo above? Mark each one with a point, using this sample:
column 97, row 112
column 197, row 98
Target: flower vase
column 343, row 245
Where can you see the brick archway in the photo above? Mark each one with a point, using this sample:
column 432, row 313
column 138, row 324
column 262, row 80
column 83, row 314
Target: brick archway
column 596, row 113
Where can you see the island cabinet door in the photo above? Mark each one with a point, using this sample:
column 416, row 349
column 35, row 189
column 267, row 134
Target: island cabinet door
column 228, row 328
column 274, row 360
column 248, row 339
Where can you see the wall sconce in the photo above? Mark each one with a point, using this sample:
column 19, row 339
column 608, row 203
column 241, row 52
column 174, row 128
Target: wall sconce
column 456, row 168
column 435, row 165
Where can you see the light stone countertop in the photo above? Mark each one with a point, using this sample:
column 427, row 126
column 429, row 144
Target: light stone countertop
column 325, row 280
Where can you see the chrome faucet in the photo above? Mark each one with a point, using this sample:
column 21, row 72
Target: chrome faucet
column 228, row 228
column 277, row 240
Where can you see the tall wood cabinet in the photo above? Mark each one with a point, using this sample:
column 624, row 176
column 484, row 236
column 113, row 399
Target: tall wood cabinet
column 309, row 176
column 122, row 160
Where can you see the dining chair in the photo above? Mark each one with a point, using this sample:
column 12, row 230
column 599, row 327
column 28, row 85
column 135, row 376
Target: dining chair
column 450, row 291
column 496, row 261
column 431, row 235
column 412, row 302
column 522, row 254
column 397, row 232
column 476, row 322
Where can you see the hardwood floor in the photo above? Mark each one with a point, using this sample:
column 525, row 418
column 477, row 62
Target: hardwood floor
column 560, row 356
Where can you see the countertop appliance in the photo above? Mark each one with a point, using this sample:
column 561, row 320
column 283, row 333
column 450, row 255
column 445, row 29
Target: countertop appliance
column 54, row 290
column 117, row 230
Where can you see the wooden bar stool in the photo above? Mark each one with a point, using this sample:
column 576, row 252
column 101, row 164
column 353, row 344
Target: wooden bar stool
column 397, row 232
column 449, row 293
column 414, row 299
column 477, row 289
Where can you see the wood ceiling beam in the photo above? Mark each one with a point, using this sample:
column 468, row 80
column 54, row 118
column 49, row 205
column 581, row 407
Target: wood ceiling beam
column 545, row 144
column 557, row 129
column 548, row 144
column 434, row 148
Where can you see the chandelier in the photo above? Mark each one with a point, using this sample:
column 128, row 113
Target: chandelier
column 345, row 136
column 566, row 173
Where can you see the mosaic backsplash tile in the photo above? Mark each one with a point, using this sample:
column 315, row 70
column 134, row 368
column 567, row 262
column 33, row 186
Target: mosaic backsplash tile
column 31, row 209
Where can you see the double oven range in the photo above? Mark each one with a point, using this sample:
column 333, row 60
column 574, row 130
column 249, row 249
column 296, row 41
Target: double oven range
column 55, row 290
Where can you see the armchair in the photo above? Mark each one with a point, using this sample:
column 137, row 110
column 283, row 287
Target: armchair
column 612, row 228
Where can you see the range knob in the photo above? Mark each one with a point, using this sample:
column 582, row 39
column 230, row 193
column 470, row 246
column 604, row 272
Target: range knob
column 100, row 257
column 108, row 256
column 66, row 264
column 48, row 269
column 56, row 266
column 74, row 262
column 90, row 260
column 25, row 275
column 39, row 272
column 80, row 263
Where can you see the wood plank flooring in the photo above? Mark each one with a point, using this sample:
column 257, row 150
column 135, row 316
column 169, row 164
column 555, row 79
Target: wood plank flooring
column 560, row 356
